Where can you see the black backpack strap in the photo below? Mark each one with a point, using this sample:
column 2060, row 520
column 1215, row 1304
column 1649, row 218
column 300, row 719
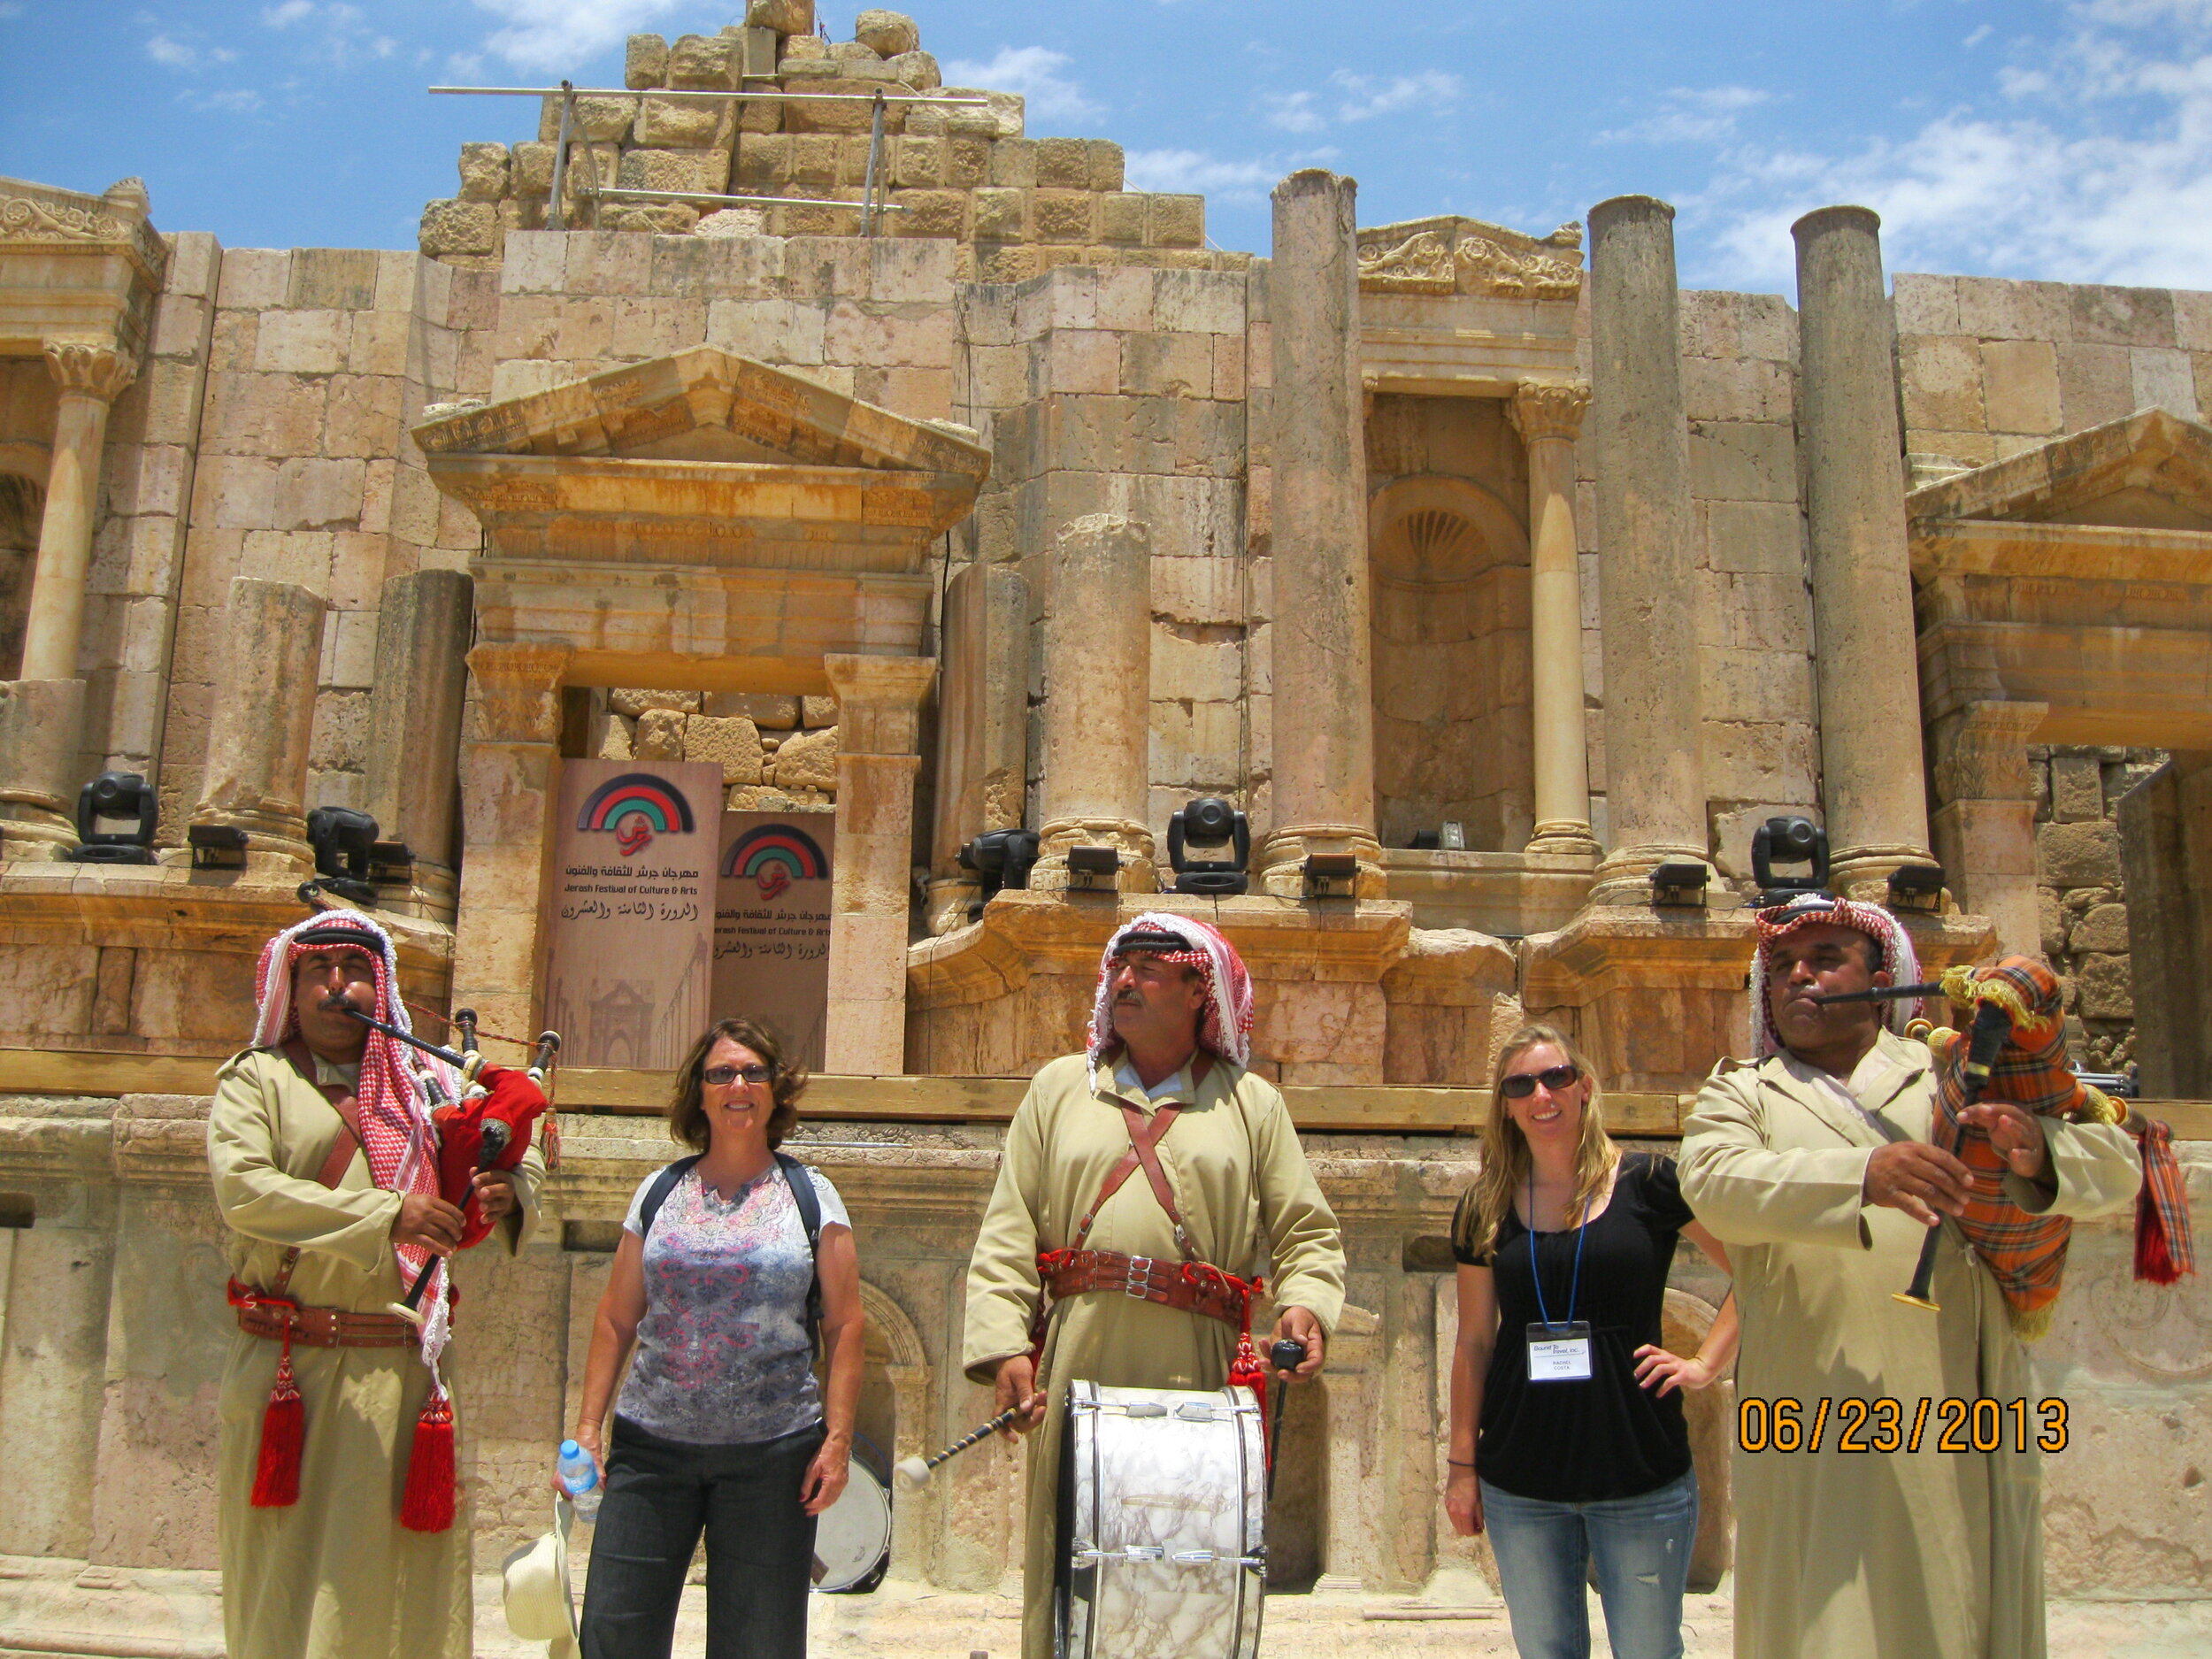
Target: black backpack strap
column 801, row 1180
column 656, row 1195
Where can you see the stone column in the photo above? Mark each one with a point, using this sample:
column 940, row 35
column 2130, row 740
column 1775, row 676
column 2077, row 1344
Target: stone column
column 422, row 645
column 509, row 786
column 1872, row 785
column 1546, row 414
column 1985, row 819
column 878, row 725
column 255, row 779
column 39, row 723
column 91, row 377
column 42, row 715
column 982, row 727
column 1098, row 700
column 1655, row 786
column 1323, row 689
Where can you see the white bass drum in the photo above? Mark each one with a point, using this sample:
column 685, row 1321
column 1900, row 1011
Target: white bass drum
column 1162, row 1502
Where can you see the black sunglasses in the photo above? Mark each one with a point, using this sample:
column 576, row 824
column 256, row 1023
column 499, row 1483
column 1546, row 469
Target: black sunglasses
column 1521, row 1084
column 723, row 1076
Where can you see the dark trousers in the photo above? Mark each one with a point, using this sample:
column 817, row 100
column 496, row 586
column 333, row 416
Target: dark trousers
column 760, row 1546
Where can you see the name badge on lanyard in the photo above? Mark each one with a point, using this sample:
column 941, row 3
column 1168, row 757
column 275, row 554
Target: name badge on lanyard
column 1559, row 1352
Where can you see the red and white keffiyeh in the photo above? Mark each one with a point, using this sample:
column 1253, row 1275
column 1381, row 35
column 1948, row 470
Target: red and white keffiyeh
column 1226, row 1029
column 1899, row 959
column 396, row 1133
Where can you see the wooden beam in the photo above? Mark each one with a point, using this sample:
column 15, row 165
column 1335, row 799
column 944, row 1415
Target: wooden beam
column 1384, row 1109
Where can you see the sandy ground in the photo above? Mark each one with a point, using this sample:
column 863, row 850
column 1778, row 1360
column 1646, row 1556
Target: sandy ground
column 61, row 1608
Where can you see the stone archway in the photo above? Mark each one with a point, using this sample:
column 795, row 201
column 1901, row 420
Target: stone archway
column 895, row 1413
column 1449, row 600
column 22, row 504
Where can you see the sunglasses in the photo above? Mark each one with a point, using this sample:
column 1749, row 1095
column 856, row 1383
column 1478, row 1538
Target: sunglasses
column 723, row 1076
column 1521, row 1084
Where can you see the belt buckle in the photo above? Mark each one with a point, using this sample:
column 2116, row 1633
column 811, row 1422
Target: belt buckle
column 1137, row 1282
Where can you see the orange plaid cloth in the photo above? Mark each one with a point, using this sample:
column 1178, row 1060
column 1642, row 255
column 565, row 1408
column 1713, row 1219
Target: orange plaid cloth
column 2027, row 1253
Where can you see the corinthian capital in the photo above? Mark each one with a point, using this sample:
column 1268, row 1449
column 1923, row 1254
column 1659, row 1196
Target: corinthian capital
column 85, row 366
column 1548, row 409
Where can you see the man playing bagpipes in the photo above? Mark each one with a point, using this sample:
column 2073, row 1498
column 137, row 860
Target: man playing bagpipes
column 342, row 1531
column 1821, row 1165
column 1141, row 1180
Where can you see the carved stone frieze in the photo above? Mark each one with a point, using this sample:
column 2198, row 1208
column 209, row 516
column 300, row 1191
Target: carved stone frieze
column 34, row 212
column 1451, row 254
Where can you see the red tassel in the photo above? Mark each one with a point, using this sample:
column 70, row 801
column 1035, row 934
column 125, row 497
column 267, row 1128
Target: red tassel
column 1247, row 1371
column 276, row 1476
column 428, row 1505
column 2153, row 1257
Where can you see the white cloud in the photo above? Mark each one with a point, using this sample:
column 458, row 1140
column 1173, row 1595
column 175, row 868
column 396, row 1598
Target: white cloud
column 1689, row 115
column 1365, row 97
column 1194, row 171
column 1357, row 99
column 1035, row 72
column 2097, row 167
column 291, row 11
column 240, row 101
column 1979, row 35
column 171, row 54
column 558, row 35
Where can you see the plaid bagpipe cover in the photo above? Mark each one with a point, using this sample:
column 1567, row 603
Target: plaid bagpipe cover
column 2027, row 1253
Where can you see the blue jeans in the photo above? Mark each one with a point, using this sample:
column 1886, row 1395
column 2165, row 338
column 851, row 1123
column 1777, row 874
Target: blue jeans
column 1640, row 1547
column 760, row 1546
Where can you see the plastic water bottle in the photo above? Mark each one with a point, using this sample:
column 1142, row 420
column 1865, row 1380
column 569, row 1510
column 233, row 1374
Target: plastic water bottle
column 580, row 1478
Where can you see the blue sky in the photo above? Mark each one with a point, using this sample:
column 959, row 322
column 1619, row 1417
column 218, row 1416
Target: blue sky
column 2066, row 139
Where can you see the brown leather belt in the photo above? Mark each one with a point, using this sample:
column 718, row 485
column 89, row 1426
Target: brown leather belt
column 1193, row 1287
column 318, row 1327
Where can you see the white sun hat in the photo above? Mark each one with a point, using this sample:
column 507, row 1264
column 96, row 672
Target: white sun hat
column 535, row 1588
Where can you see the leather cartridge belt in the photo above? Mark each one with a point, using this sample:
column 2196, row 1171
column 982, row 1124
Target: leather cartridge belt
column 319, row 1328
column 1188, row 1286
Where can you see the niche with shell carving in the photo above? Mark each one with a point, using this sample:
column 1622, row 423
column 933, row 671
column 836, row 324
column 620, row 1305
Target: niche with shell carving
column 1449, row 563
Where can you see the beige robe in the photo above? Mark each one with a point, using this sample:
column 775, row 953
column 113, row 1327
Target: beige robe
column 1932, row 1554
column 1249, row 1202
column 334, row 1576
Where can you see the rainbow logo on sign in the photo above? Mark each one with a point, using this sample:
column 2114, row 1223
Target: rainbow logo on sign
column 775, row 856
column 636, row 807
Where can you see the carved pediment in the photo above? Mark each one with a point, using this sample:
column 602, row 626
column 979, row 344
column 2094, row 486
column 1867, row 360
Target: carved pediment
column 703, row 405
column 1451, row 254
column 2150, row 471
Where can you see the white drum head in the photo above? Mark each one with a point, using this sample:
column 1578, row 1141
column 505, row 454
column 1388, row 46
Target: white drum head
column 852, row 1539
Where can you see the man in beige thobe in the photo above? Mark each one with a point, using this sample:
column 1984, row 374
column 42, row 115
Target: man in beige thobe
column 1813, row 1166
column 334, row 1575
column 1171, row 1030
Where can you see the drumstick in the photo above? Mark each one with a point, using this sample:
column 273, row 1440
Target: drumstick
column 913, row 1473
column 1286, row 1355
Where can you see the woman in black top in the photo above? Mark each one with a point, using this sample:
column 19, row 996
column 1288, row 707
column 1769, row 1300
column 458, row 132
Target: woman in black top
column 1583, row 1456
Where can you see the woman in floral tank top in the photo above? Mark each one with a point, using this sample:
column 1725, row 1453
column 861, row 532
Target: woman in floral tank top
column 720, row 1424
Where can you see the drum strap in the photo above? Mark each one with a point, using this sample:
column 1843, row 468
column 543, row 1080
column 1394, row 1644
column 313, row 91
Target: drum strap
column 1144, row 1139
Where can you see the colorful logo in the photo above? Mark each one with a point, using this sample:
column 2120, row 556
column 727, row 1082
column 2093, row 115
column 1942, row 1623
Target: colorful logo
column 636, row 807
column 775, row 856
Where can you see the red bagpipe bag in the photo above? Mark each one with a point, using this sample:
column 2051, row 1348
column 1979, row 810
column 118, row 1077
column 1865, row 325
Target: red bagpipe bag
column 510, row 1098
column 2026, row 1253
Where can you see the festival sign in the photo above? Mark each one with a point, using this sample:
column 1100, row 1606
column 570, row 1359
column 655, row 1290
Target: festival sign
column 772, row 924
column 632, row 929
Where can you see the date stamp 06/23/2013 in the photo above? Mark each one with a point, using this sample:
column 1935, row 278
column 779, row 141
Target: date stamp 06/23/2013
column 1855, row 1424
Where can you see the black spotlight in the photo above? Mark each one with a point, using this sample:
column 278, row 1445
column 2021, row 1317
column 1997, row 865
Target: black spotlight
column 1789, row 840
column 344, row 842
column 1917, row 888
column 1219, row 830
column 1002, row 859
column 116, row 794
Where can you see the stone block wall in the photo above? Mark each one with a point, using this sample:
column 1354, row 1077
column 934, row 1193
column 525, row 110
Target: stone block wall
column 319, row 362
column 872, row 319
column 1987, row 368
column 1123, row 390
column 777, row 754
column 2081, row 891
column 958, row 171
